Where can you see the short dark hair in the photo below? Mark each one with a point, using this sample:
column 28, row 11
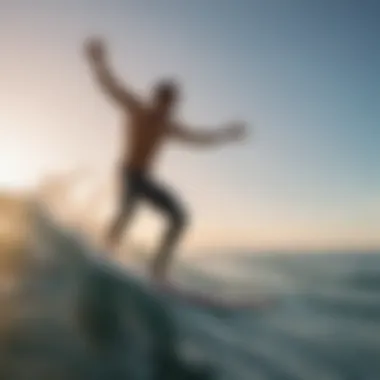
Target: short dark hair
column 166, row 89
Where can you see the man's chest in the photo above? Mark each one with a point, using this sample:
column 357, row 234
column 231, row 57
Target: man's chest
column 151, row 126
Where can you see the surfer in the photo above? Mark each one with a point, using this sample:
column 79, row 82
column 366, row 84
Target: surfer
column 148, row 125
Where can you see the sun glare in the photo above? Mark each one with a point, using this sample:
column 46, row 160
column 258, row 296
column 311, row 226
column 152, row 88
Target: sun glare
column 11, row 177
column 13, row 168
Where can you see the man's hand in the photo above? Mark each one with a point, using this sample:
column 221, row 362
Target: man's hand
column 95, row 50
column 235, row 131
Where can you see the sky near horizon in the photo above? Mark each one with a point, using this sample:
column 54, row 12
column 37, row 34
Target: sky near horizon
column 304, row 75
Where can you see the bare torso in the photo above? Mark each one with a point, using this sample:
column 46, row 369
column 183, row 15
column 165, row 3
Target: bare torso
column 143, row 137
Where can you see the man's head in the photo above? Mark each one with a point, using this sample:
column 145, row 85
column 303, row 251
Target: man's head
column 165, row 95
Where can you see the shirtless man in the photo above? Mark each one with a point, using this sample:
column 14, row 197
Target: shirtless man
column 149, row 124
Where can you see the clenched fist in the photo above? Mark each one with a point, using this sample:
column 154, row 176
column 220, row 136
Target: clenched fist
column 95, row 50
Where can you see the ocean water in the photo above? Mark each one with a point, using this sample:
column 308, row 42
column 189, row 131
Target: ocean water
column 324, row 322
column 75, row 316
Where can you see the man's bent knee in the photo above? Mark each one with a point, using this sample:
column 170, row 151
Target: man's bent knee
column 179, row 220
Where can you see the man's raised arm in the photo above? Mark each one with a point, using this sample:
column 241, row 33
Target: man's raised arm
column 97, row 56
column 231, row 132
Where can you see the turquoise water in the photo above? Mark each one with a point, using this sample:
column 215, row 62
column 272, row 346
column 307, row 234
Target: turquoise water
column 323, row 322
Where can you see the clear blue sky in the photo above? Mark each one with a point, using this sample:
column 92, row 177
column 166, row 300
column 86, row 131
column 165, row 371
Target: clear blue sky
column 305, row 74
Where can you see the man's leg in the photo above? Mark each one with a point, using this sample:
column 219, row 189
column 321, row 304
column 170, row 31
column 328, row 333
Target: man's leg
column 166, row 202
column 126, row 208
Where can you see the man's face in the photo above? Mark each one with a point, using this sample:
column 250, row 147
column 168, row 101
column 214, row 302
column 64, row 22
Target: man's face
column 165, row 106
column 166, row 97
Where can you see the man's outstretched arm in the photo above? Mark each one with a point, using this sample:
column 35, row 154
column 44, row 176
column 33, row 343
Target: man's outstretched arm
column 231, row 132
column 96, row 53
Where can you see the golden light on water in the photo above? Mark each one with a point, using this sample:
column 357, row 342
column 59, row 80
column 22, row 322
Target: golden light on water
column 14, row 229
